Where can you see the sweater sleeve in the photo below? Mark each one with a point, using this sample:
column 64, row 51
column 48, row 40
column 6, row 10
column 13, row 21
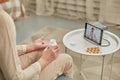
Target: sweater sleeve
column 9, row 59
column 30, row 73
column 21, row 49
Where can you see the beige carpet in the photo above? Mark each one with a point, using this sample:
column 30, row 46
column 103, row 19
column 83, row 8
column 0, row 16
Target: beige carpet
column 91, row 65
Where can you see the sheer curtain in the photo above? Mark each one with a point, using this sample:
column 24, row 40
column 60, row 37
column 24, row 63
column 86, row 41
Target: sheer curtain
column 105, row 11
column 45, row 7
column 110, row 11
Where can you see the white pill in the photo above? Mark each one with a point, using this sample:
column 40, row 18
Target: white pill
column 72, row 43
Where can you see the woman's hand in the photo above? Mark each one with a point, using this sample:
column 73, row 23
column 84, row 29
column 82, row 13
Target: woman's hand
column 48, row 55
column 40, row 43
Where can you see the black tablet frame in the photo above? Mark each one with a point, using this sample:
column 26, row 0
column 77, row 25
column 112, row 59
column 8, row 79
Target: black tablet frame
column 101, row 34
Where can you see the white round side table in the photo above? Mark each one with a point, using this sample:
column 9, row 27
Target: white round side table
column 75, row 41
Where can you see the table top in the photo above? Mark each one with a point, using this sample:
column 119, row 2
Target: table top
column 75, row 41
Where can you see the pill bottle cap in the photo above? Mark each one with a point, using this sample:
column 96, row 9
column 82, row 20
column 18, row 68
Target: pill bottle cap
column 52, row 42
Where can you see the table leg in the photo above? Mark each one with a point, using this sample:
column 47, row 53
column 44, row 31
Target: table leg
column 102, row 71
column 111, row 67
column 80, row 62
column 81, row 72
column 65, row 49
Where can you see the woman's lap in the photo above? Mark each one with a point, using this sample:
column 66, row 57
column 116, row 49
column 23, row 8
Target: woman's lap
column 62, row 65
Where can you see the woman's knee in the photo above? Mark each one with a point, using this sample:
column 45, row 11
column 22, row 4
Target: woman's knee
column 68, row 64
column 66, row 58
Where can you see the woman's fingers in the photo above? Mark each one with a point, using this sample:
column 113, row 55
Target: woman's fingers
column 55, row 50
column 40, row 39
column 58, row 42
column 40, row 43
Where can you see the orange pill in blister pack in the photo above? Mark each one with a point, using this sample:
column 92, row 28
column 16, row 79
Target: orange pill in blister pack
column 93, row 50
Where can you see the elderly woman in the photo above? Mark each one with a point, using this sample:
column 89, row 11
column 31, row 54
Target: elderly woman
column 36, row 61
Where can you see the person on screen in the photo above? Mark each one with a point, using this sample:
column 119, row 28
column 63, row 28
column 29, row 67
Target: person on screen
column 92, row 35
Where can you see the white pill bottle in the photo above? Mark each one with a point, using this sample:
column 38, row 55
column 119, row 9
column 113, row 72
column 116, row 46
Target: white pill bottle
column 52, row 42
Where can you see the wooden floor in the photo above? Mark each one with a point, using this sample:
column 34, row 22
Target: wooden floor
column 91, row 66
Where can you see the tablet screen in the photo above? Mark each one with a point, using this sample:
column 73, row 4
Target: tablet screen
column 93, row 33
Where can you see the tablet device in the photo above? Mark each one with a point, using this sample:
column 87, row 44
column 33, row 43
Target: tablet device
column 93, row 33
